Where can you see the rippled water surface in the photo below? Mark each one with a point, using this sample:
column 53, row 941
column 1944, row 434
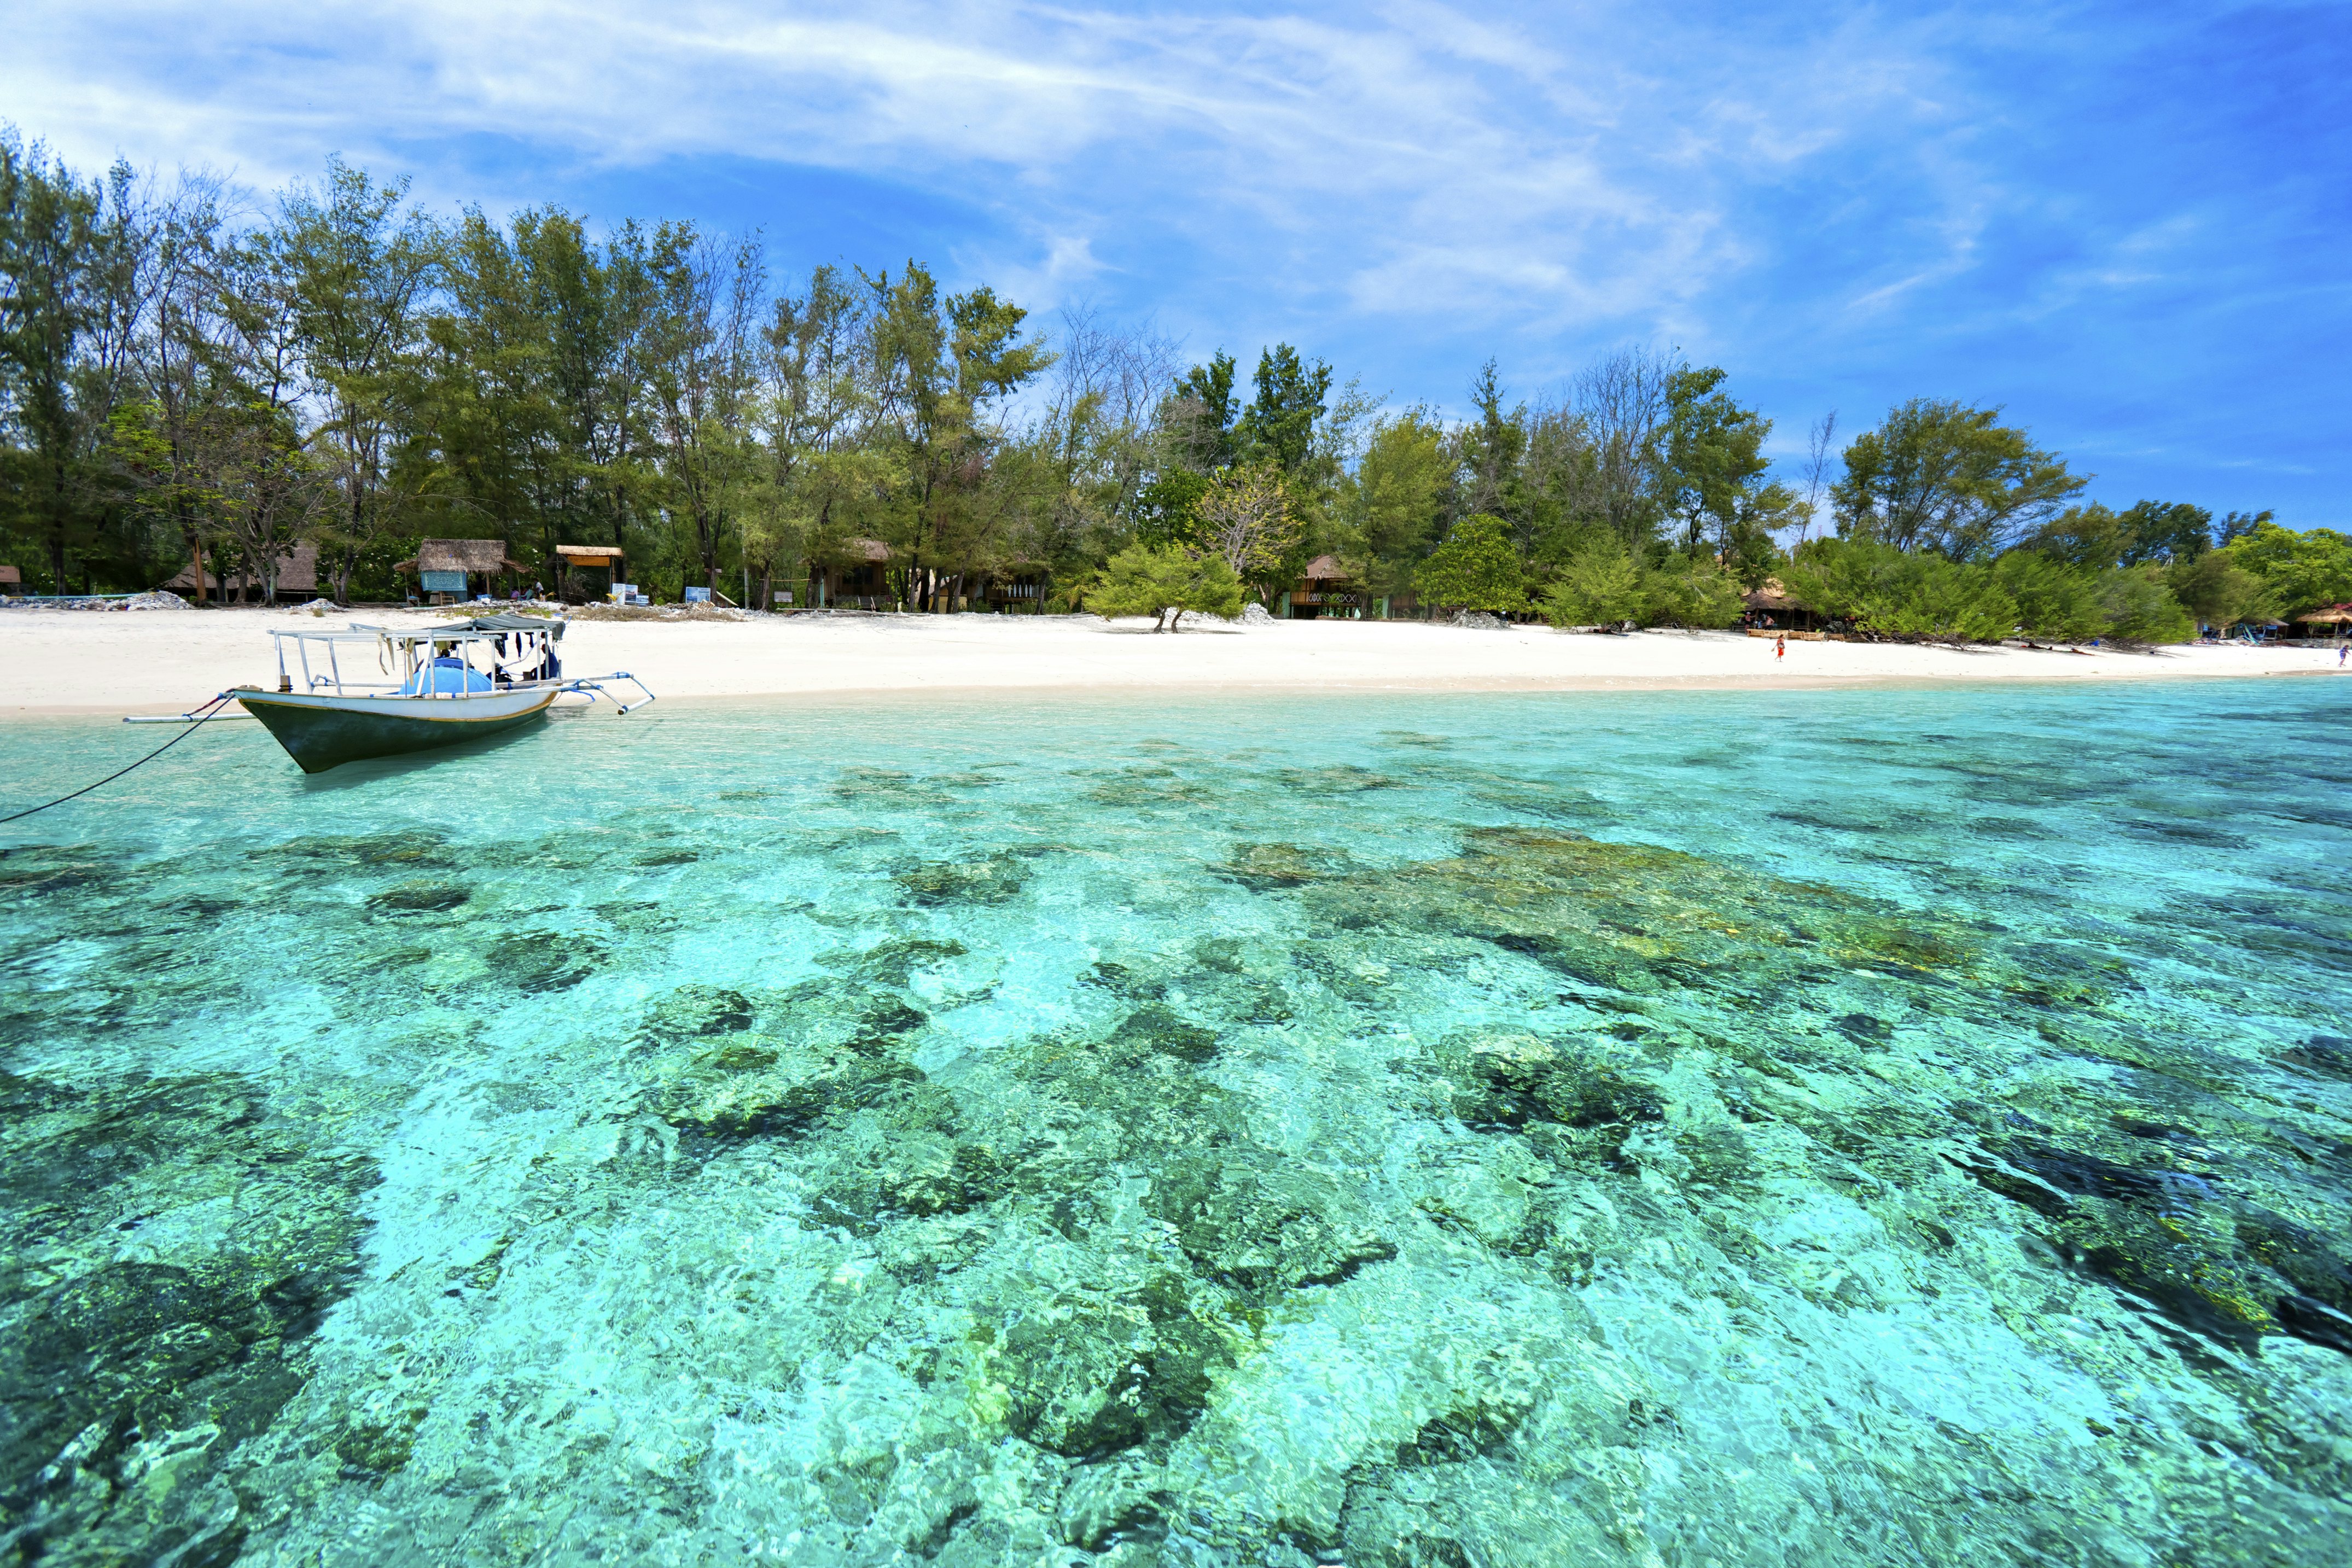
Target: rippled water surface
column 1818, row 1128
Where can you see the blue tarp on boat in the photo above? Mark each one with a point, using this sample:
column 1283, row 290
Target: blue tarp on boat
column 445, row 676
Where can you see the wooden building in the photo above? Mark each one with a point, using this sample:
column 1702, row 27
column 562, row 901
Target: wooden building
column 297, row 576
column 1770, row 609
column 609, row 559
column 12, row 581
column 859, row 581
column 1324, row 588
column 446, row 569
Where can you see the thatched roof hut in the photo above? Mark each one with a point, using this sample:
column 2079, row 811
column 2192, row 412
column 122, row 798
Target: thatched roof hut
column 10, row 577
column 1327, row 569
column 2328, row 615
column 1774, row 597
column 298, row 572
column 486, row 556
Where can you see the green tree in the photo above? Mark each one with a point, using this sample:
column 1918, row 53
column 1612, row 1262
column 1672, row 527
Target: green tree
column 1712, row 475
column 1200, row 413
column 2216, row 590
column 1163, row 582
column 1900, row 594
column 2139, row 608
column 2298, row 571
column 2164, row 532
column 1600, row 585
column 2055, row 599
column 68, row 262
column 1683, row 592
column 939, row 371
column 1401, row 487
column 1279, row 424
column 1246, row 517
column 1940, row 476
column 1474, row 568
column 333, row 293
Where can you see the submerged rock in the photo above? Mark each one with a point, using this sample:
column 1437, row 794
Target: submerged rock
column 1264, row 1224
column 132, row 1371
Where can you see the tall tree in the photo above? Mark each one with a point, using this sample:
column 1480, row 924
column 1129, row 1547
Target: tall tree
column 700, row 376
column 68, row 310
column 1712, row 474
column 1944, row 477
column 342, row 278
column 1279, row 424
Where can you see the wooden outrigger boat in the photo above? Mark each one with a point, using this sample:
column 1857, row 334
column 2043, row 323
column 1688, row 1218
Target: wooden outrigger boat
column 441, row 686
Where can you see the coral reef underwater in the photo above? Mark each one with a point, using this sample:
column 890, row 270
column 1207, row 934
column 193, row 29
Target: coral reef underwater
column 1855, row 1128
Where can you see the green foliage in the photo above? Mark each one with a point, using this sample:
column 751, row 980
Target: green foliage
column 1900, row 594
column 1600, row 585
column 1944, row 477
column 1688, row 591
column 1401, row 484
column 2139, row 608
column 1713, row 475
column 1167, row 511
column 2217, row 591
column 2055, row 599
column 1474, row 568
column 2298, row 571
column 2097, row 536
column 1163, row 582
column 1279, row 424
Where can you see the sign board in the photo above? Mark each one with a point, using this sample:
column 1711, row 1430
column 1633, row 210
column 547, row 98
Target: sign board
column 444, row 581
column 697, row 596
column 783, row 598
column 623, row 592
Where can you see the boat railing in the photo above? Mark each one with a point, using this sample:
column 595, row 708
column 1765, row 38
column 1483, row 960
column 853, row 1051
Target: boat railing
column 413, row 679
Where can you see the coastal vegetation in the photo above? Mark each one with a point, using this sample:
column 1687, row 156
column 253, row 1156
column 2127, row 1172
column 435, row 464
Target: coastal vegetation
column 182, row 385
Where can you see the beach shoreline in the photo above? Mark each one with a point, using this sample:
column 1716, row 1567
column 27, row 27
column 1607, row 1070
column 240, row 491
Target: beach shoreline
column 93, row 664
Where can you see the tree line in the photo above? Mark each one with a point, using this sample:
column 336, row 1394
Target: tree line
column 190, row 378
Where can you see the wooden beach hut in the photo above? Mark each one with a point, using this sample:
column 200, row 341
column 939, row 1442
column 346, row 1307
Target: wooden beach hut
column 1324, row 588
column 12, row 581
column 607, row 558
column 297, row 576
column 1771, row 608
column 858, row 578
column 446, row 569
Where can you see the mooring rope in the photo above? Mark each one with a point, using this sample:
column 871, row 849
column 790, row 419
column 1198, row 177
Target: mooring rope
column 193, row 724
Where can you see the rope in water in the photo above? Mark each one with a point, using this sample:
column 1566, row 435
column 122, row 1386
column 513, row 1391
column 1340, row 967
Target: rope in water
column 193, row 723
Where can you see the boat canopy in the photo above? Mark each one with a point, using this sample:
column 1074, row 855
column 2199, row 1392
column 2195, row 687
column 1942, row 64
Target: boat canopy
column 499, row 623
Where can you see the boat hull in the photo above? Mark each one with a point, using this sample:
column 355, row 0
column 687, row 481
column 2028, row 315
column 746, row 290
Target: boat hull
column 323, row 732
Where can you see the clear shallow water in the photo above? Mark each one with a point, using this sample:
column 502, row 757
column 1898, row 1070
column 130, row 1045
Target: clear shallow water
column 1825, row 1128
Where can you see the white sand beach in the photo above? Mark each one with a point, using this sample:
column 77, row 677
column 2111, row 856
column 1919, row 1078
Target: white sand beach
column 81, row 661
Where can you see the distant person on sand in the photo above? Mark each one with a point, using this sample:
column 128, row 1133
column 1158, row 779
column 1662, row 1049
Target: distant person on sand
column 1781, row 647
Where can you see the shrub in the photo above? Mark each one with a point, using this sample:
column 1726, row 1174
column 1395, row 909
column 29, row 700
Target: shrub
column 2055, row 599
column 2140, row 609
column 1159, row 582
column 1600, row 585
column 1686, row 593
column 1901, row 593
column 1474, row 568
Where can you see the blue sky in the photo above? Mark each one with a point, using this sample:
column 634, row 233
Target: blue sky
column 2130, row 224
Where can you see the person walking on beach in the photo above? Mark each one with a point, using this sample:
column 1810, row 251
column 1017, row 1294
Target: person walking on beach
column 1781, row 646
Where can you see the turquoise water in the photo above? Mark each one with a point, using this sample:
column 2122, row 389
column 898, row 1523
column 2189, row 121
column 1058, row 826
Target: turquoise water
column 1818, row 1128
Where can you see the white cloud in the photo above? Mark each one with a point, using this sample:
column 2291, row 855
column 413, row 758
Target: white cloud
column 1411, row 159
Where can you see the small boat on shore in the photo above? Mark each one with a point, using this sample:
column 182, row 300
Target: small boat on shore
column 438, row 686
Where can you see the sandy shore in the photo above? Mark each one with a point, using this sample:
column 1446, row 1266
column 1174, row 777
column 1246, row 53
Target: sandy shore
column 70, row 662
